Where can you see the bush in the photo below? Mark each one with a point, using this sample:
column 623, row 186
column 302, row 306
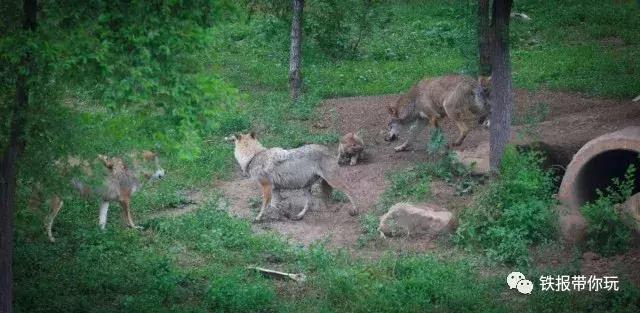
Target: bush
column 607, row 233
column 514, row 212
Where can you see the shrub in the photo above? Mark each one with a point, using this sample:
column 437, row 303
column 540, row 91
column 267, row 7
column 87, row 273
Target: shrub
column 607, row 233
column 514, row 212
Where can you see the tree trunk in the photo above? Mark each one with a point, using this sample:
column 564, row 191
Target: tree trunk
column 8, row 168
column 501, row 91
column 484, row 65
column 295, row 74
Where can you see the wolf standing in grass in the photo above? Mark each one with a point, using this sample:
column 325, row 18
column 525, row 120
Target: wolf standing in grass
column 458, row 97
column 276, row 169
column 121, row 182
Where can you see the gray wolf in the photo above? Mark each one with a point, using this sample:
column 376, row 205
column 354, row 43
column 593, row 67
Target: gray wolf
column 351, row 148
column 120, row 183
column 277, row 169
column 458, row 97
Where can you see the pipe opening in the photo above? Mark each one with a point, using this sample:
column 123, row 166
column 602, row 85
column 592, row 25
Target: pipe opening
column 599, row 172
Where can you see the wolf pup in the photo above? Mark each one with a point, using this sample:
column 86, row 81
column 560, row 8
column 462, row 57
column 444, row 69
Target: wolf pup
column 458, row 97
column 121, row 182
column 276, row 169
column 351, row 148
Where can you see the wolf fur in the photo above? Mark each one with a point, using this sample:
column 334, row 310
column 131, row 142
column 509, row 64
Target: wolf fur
column 121, row 182
column 351, row 148
column 276, row 169
column 458, row 97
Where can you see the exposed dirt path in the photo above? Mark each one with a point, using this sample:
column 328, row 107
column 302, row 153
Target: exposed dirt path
column 571, row 121
column 194, row 200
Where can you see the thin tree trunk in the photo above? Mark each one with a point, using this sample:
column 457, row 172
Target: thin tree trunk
column 484, row 65
column 8, row 169
column 501, row 93
column 295, row 74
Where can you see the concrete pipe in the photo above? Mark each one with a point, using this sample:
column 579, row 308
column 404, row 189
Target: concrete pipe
column 597, row 163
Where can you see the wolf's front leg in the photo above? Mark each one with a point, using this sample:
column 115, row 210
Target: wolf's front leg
column 267, row 187
column 354, row 159
column 414, row 130
column 104, row 209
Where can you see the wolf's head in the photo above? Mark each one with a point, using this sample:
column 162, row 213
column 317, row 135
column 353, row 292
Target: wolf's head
column 351, row 143
column 145, row 164
column 151, row 163
column 246, row 147
column 398, row 113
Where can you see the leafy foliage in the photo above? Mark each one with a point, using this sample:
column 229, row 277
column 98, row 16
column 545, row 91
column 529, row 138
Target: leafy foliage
column 514, row 212
column 340, row 27
column 609, row 230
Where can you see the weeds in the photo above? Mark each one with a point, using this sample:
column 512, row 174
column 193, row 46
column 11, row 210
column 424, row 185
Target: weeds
column 608, row 233
column 514, row 212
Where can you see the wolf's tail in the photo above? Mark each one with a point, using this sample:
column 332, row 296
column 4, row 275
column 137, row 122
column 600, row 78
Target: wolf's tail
column 55, row 205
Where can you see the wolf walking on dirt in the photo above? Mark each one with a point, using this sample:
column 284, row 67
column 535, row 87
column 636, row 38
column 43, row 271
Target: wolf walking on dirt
column 458, row 97
column 276, row 169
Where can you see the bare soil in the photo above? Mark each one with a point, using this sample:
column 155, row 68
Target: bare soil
column 572, row 120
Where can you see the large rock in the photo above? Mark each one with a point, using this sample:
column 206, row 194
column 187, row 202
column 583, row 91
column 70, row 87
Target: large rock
column 477, row 158
column 405, row 219
column 573, row 228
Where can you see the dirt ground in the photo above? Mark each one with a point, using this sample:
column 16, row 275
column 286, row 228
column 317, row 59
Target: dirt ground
column 570, row 121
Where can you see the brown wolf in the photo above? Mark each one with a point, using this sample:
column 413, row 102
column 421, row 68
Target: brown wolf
column 351, row 148
column 276, row 169
column 121, row 182
column 457, row 97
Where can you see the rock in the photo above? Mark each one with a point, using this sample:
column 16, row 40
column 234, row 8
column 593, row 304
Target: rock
column 477, row 158
column 589, row 256
column 573, row 228
column 404, row 219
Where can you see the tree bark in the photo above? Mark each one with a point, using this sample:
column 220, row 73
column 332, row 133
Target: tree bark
column 8, row 167
column 501, row 93
column 295, row 70
column 484, row 65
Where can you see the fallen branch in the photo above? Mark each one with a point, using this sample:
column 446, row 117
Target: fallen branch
column 279, row 275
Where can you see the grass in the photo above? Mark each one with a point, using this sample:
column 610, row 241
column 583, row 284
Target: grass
column 196, row 262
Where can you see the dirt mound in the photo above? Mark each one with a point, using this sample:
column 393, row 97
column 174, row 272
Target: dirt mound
column 565, row 122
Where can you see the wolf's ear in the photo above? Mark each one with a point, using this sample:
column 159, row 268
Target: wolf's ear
column 107, row 162
column 484, row 80
column 252, row 134
column 148, row 155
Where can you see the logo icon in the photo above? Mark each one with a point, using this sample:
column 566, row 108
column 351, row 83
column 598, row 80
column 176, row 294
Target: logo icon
column 518, row 281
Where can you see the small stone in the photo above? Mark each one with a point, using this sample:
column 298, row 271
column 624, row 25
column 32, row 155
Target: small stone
column 477, row 158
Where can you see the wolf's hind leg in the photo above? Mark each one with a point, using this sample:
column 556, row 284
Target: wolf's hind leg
column 55, row 204
column 307, row 203
column 338, row 183
column 266, row 198
column 104, row 209
column 464, row 131
column 126, row 206
column 414, row 130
